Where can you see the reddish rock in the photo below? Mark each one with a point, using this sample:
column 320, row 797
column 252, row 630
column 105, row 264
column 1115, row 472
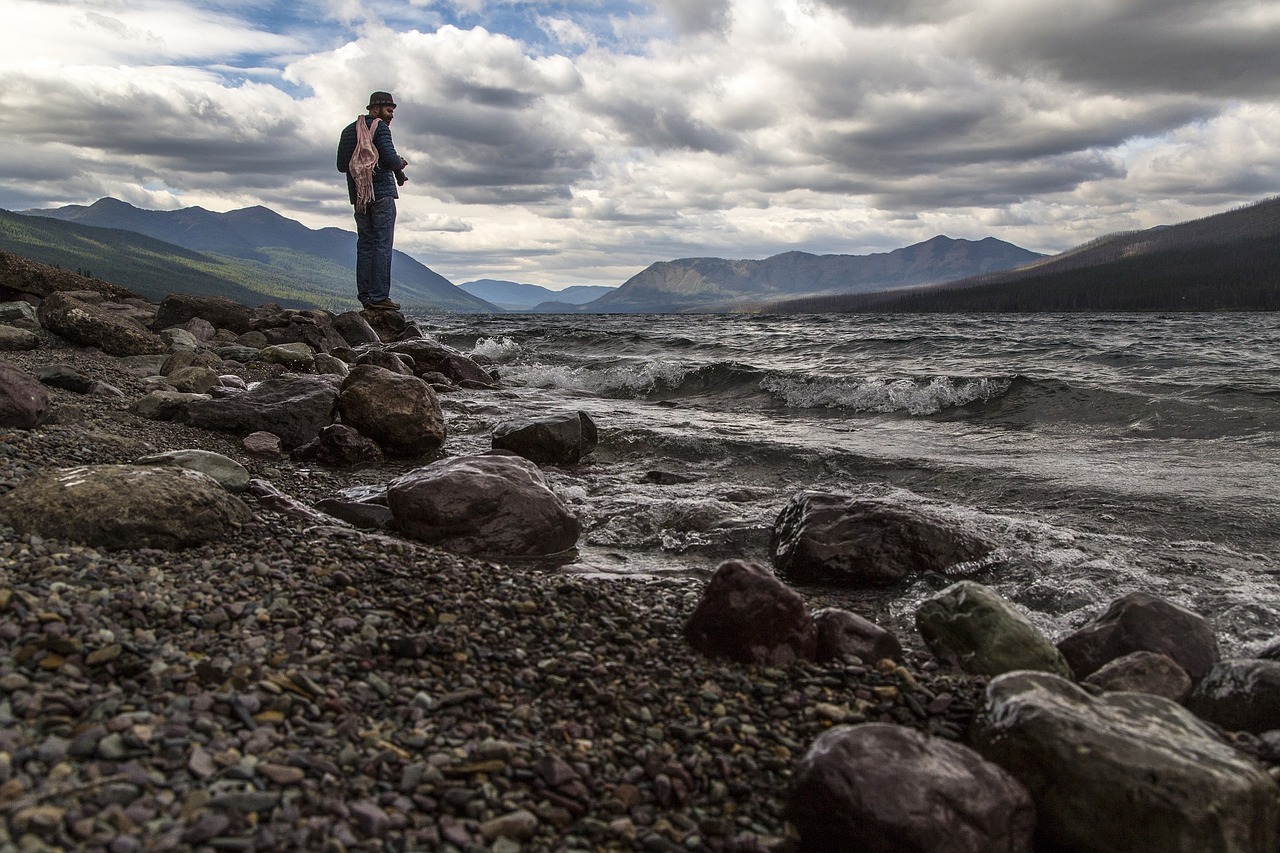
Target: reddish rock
column 746, row 614
column 24, row 404
column 1144, row 672
column 1140, row 622
column 842, row 634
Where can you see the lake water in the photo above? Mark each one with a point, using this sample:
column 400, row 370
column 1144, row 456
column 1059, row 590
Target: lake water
column 1105, row 453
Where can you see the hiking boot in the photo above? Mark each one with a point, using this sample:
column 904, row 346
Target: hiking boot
column 383, row 305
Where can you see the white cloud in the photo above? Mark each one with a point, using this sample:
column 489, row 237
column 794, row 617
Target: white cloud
column 622, row 136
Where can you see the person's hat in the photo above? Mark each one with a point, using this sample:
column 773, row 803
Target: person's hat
column 381, row 99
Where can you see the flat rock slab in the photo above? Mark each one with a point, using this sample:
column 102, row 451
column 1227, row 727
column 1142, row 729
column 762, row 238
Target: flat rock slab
column 124, row 506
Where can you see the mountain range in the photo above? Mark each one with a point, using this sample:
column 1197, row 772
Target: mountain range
column 1223, row 262
column 305, row 262
column 702, row 284
column 513, row 296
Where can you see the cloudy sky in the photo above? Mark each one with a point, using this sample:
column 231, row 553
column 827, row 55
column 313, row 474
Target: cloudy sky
column 565, row 142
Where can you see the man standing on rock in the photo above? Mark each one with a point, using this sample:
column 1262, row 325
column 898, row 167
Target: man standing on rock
column 373, row 168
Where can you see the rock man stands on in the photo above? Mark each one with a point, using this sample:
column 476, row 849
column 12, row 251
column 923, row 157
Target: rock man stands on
column 373, row 168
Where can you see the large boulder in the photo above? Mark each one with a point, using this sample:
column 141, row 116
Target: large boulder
column 399, row 412
column 552, row 440
column 388, row 360
column 298, row 327
column 493, row 505
column 1239, row 695
column 970, row 625
column 178, row 308
column 843, row 635
column 820, row 537
column 355, row 329
column 746, row 614
column 1124, row 771
column 124, row 506
column 432, row 357
column 293, row 407
column 24, row 404
column 1142, row 622
column 387, row 325
column 882, row 788
column 92, row 325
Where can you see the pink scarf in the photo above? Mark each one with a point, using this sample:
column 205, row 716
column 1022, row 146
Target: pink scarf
column 363, row 160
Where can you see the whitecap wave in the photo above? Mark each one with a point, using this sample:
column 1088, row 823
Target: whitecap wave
column 617, row 381
column 874, row 394
column 500, row 349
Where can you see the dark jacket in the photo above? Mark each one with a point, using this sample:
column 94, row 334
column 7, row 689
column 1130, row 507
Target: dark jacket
column 384, row 174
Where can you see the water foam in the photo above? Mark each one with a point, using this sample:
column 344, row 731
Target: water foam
column 874, row 394
column 618, row 381
column 501, row 349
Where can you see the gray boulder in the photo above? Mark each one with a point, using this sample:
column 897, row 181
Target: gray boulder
column 164, row 405
column 883, row 788
column 19, row 314
column 178, row 308
column 401, row 364
column 747, row 615
column 552, row 440
column 1239, row 695
column 970, row 625
column 432, row 357
column 24, row 404
column 13, row 339
column 389, row 326
column 66, row 377
column 1124, row 771
column 179, row 359
column 124, row 506
column 354, row 329
column 93, row 325
column 295, row 356
column 843, row 635
column 1144, row 672
column 855, row 541
column 340, row 446
column 399, row 412
column 229, row 473
column 1142, row 622
column 194, row 380
column 483, row 505
column 293, row 407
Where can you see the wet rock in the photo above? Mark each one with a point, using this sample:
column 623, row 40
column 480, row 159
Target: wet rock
column 295, row 408
column 431, row 357
column 124, row 506
column 746, row 614
column 883, row 788
column 340, row 446
column 1239, row 695
column 483, row 505
column 220, row 312
column 400, row 413
column 24, row 404
column 970, row 625
column 552, row 440
column 843, row 635
column 1144, row 672
column 1142, row 622
column 93, row 325
column 1124, row 771
column 833, row 538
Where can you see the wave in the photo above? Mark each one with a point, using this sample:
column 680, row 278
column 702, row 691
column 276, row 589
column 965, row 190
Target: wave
column 875, row 394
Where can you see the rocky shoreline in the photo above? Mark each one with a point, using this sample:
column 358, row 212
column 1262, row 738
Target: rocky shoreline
column 298, row 683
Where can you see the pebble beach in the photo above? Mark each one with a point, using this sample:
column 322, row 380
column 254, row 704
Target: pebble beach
column 310, row 686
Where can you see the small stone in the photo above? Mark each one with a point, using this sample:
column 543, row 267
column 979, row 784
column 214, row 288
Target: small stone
column 520, row 825
column 282, row 775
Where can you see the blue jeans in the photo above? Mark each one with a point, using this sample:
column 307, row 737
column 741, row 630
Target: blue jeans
column 375, row 232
